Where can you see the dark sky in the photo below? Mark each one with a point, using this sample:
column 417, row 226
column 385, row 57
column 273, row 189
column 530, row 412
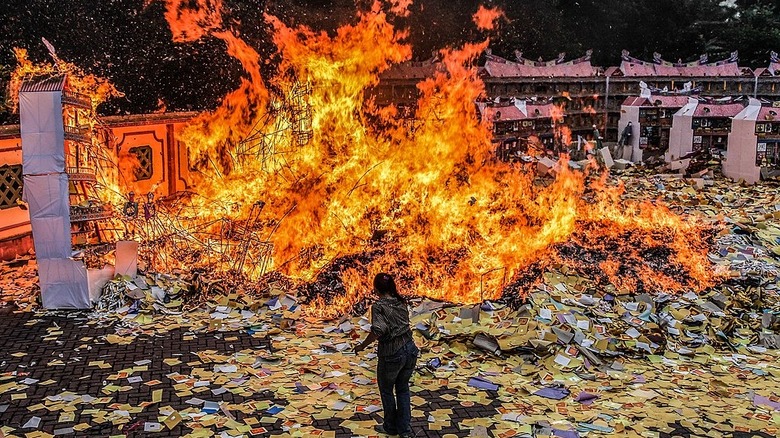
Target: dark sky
column 131, row 44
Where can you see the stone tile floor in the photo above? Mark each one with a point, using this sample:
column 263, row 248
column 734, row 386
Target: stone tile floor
column 65, row 361
column 74, row 375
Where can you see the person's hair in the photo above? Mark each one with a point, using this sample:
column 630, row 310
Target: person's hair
column 385, row 285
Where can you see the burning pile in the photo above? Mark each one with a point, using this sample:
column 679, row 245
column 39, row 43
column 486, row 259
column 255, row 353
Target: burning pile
column 345, row 189
column 300, row 176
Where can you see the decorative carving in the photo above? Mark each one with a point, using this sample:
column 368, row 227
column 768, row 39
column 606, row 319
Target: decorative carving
column 145, row 168
column 10, row 186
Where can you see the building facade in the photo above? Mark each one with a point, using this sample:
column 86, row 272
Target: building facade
column 702, row 125
column 15, row 231
column 645, row 125
column 589, row 94
column 150, row 160
column 518, row 125
column 754, row 143
column 743, row 133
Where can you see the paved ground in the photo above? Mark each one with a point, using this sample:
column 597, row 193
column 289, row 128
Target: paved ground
column 23, row 332
column 65, row 361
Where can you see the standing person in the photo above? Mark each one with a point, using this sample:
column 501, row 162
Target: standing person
column 397, row 356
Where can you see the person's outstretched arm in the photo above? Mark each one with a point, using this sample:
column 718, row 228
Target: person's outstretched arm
column 368, row 341
column 378, row 328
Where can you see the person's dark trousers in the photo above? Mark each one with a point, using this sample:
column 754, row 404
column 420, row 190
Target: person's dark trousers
column 394, row 372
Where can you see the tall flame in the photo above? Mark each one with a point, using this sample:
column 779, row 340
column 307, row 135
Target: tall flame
column 339, row 178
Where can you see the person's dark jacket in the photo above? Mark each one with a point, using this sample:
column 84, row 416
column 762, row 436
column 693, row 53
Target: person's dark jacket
column 390, row 324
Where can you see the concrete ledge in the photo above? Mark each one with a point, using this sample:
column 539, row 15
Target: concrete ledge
column 11, row 247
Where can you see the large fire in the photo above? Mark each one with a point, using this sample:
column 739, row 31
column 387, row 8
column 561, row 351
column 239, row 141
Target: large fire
column 302, row 172
column 429, row 203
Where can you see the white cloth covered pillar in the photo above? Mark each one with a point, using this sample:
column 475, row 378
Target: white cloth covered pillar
column 63, row 281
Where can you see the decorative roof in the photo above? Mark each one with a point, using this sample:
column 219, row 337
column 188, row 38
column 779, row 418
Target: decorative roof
column 149, row 119
column 657, row 101
column 634, row 67
column 751, row 111
column 43, row 84
column 12, row 131
column 413, row 70
column 515, row 110
column 521, row 67
column 634, row 101
column 498, row 67
column 714, row 109
column 768, row 113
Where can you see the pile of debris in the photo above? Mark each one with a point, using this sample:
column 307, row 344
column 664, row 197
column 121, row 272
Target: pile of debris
column 19, row 283
column 180, row 291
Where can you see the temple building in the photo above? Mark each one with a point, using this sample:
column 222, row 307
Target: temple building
column 593, row 95
column 702, row 124
column 645, row 125
column 743, row 133
column 150, row 160
column 754, row 143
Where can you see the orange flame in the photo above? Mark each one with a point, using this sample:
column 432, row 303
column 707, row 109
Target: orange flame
column 562, row 131
column 453, row 222
column 400, row 7
column 487, row 18
column 190, row 21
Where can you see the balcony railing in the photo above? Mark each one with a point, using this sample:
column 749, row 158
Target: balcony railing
column 85, row 214
column 81, row 174
column 77, row 100
column 74, row 133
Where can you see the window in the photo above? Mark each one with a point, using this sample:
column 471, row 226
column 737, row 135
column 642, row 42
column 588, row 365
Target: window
column 768, row 154
column 145, row 168
column 10, row 185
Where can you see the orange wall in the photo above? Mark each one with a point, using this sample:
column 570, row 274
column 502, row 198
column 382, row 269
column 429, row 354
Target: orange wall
column 154, row 136
column 169, row 170
column 13, row 221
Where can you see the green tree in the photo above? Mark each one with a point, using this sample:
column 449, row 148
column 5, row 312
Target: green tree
column 755, row 30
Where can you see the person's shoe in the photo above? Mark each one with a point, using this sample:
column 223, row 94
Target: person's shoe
column 406, row 435
column 381, row 429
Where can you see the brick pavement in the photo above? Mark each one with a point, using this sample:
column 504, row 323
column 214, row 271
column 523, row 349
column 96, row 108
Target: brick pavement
column 24, row 332
column 76, row 376
column 17, row 336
